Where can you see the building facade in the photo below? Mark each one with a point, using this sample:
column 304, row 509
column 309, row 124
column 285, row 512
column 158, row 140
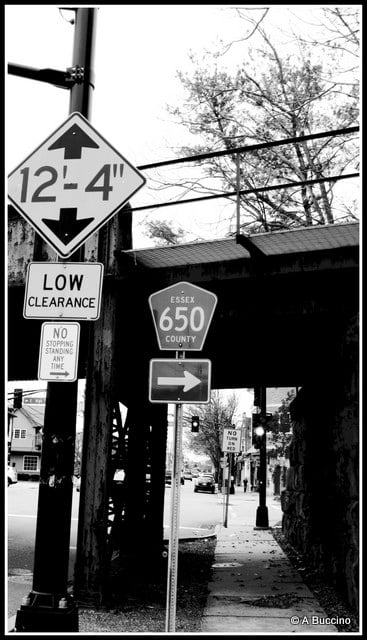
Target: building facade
column 25, row 437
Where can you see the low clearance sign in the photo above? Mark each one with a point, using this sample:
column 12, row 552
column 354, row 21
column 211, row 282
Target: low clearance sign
column 63, row 290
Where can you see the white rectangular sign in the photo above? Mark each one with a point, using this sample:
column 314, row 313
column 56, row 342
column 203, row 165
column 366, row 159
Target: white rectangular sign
column 63, row 290
column 59, row 350
column 232, row 440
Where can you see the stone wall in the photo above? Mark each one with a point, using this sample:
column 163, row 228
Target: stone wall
column 320, row 503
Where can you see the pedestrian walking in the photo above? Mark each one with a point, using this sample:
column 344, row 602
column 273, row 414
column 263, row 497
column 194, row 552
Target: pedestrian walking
column 245, row 482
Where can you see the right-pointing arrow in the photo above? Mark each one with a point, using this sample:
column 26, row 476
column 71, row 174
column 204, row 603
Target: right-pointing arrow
column 189, row 381
column 59, row 373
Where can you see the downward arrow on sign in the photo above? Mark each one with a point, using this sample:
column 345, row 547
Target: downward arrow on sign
column 67, row 227
column 189, row 381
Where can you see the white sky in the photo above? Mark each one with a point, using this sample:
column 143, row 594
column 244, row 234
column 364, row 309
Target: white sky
column 139, row 49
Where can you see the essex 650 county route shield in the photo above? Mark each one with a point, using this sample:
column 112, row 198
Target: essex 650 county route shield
column 72, row 184
column 182, row 314
column 180, row 381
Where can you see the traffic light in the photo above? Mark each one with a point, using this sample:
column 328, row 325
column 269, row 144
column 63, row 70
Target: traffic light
column 257, row 431
column 195, row 423
column 259, row 427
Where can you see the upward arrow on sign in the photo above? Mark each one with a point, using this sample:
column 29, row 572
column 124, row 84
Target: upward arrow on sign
column 73, row 141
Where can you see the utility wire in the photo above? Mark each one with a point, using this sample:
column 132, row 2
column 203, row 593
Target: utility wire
column 228, row 194
column 11, row 394
column 252, row 147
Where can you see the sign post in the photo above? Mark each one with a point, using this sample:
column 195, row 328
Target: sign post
column 174, row 523
column 49, row 607
column 231, row 445
column 181, row 314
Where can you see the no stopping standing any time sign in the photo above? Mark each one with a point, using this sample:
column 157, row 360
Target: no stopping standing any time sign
column 59, row 350
column 72, row 184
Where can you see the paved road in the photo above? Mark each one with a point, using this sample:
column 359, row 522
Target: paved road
column 201, row 510
column 22, row 500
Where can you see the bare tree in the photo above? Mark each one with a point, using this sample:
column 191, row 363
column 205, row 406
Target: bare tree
column 274, row 94
column 213, row 418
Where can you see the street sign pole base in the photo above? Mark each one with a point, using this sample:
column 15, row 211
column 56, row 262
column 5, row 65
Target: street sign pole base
column 47, row 612
column 262, row 518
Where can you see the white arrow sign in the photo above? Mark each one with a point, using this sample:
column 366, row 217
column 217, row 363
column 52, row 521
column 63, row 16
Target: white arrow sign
column 72, row 184
column 189, row 381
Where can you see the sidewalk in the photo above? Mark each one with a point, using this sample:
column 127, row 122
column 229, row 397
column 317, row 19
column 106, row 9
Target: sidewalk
column 255, row 589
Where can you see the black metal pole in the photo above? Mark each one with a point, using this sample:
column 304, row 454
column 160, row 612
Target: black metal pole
column 262, row 517
column 225, row 523
column 49, row 606
column 83, row 61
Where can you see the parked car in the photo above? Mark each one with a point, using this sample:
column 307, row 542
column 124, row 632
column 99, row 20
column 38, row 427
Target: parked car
column 205, row 482
column 187, row 474
column 195, row 473
column 12, row 475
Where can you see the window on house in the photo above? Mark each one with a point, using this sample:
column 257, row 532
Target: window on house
column 30, row 463
column 20, row 433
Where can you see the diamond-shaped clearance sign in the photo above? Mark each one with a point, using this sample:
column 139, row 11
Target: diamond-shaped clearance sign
column 72, row 184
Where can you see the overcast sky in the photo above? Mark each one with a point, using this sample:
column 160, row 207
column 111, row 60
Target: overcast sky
column 139, row 49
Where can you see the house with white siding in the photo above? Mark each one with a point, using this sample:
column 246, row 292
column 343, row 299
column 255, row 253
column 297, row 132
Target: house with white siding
column 25, row 436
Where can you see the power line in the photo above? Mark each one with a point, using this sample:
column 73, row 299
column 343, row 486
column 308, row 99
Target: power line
column 228, row 194
column 253, row 147
column 27, row 392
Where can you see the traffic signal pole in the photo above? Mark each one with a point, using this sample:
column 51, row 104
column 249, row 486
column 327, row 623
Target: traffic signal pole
column 262, row 517
column 49, row 607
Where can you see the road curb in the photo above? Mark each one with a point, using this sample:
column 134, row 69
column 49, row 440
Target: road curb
column 212, row 534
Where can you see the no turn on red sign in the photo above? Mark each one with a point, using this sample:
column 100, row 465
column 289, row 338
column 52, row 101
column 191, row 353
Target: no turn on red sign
column 231, row 440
